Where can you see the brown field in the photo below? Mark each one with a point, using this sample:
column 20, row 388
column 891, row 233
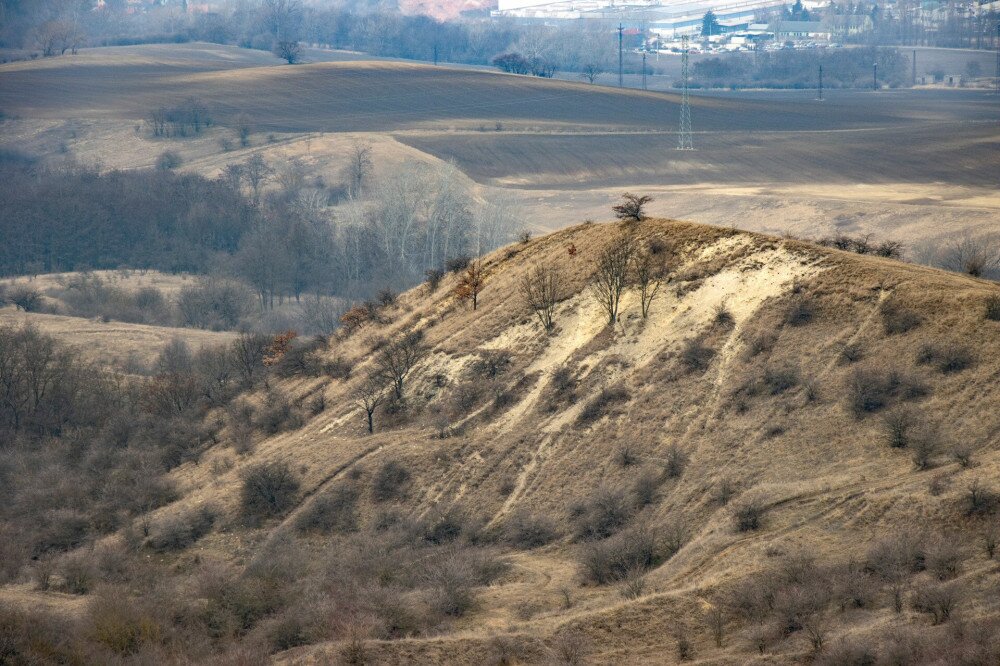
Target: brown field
column 765, row 160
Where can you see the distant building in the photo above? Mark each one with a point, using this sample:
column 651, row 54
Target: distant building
column 791, row 30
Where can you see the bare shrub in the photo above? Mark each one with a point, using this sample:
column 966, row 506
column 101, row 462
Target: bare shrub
column 649, row 277
column 183, row 530
column 633, row 584
column 943, row 557
column 645, row 488
column 894, row 557
column 625, row 455
column 759, row 342
column 851, row 352
column 873, row 388
column 277, row 414
column 923, row 448
column 25, row 298
column 606, row 511
column 333, row 511
column 569, row 649
column 850, row 651
column 801, row 311
column 168, row 160
column 695, row 356
column 938, row 600
column 612, row 274
column 945, row 358
column 674, row 462
column 980, row 500
column 525, row 530
column 992, row 308
column 615, row 558
column 541, row 289
column 268, row 490
column 975, row 256
column 389, row 482
column 722, row 315
column 748, row 515
column 897, row 318
column 724, row 491
column 599, row 404
column 899, row 424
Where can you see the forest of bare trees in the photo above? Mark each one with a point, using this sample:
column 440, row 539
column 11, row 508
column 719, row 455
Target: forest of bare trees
column 262, row 226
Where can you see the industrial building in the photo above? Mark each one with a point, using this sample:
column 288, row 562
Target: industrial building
column 667, row 21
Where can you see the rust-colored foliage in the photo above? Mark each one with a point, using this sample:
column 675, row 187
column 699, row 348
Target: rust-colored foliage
column 278, row 348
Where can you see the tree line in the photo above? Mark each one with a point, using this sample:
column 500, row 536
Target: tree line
column 270, row 228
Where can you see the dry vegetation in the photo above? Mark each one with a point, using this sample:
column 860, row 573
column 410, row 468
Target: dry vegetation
column 785, row 456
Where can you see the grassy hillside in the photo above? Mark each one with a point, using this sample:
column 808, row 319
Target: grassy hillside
column 793, row 458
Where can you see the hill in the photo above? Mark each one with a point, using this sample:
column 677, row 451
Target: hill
column 792, row 458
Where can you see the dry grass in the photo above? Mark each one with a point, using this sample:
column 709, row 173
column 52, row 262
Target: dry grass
column 829, row 485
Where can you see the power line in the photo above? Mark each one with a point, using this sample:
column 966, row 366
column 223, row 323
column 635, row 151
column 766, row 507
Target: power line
column 620, row 69
column 684, row 135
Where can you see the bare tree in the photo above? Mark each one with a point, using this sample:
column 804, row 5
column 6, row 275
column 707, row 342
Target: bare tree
column 248, row 354
column 256, row 172
column 976, row 256
column 244, row 127
column 631, row 206
column 369, row 396
column 614, row 267
column 358, row 169
column 591, row 71
column 541, row 288
column 288, row 50
column 471, row 283
column 648, row 278
column 395, row 360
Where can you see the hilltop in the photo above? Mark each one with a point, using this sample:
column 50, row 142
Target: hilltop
column 798, row 444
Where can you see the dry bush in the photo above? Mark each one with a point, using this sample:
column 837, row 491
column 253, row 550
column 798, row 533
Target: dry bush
column 631, row 207
column 183, row 530
column 615, row 558
column 78, row 571
column 526, row 531
column 759, row 342
column 389, row 482
column 122, row 625
column 975, row 256
column 723, row 492
column 897, row 318
column 980, row 500
column 268, row 490
column 801, row 311
column 277, row 414
column 645, row 488
column 335, row 510
column 598, row 406
column 850, row 651
column 633, row 585
column 722, row 315
column 962, row 454
column 992, row 308
column 569, row 649
column 938, row 600
column 945, row 358
column 898, row 425
column 943, row 557
column 895, row 557
column 625, row 455
column 851, row 352
column 674, row 462
column 606, row 511
column 873, row 388
column 748, row 515
column 695, row 356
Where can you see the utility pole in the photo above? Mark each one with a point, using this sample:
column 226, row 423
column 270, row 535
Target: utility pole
column 644, row 69
column 998, row 58
column 684, row 135
column 914, row 67
column 620, row 67
column 874, row 76
column 820, row 98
